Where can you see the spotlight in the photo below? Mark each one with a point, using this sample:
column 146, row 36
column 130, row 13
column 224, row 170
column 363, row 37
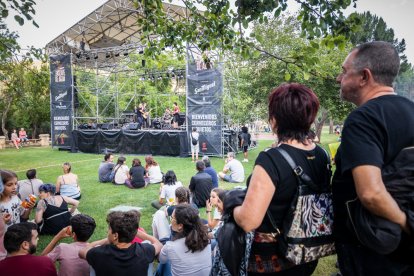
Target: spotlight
column 87, row 57
column 108, row 55
column 95, row 56
column 125, row 53
column 117, row 54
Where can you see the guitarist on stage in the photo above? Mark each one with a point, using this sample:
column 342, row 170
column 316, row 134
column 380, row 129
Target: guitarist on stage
column 176, row 114
column 145, row 115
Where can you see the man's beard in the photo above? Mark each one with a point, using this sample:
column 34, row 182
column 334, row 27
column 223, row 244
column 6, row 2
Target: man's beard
column 32, row 249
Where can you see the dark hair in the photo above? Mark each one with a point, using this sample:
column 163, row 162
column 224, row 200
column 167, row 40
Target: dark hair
column 220, row 193
column 124, row 223
column 294, row 107
column 17, row 234
column 31, row 174
column 83, row 226
column 170, row 178
column 244, row 129
column 7, row 175
column 206, row 161
column 106, row 157
column 47, row 188
column 121, row 160
column 195, row 233
column 136, row 162
column 182, row 194
column 381, row 58
column 175, row 103
column 194, row 129
column 200, row 166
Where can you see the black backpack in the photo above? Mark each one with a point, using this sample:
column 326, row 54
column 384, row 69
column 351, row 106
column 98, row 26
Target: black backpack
column 193, row 140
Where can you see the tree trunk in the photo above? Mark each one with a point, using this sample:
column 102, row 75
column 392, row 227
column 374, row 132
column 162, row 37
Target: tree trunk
column 4, row 117
column 319, row 124
column 331, row 125
column 34, row 133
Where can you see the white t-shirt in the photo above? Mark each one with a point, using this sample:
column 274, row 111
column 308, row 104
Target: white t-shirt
column 14, row 208
column 154, row 174
column 236, row 170
column 121, row 174
column 168, row 191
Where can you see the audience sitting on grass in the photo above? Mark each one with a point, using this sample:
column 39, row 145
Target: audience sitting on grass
column 29, row 186
column 167, row 190
column 20, row 242
column 116, row 255
column 80, row 230
column 105, row 168
column 189, row 253
column 234, row 167
column 153, row 170
column 68, row 183
column 200, row 186
column 121, row 172
column 52, row 213
column 210, row 170
column 137, row 174
column 10, row 204
column 216, row 200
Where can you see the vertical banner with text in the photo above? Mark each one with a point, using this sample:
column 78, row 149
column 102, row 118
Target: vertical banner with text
column 204, row 101
column 61, row 103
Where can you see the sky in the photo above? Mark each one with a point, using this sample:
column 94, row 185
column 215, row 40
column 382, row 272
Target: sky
column 56, row 16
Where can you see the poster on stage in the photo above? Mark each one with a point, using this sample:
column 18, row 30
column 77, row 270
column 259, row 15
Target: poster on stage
column 61, row 100
column 204, row 106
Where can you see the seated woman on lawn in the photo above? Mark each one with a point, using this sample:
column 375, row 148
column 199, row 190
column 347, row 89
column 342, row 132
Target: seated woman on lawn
column 189, row 253
column 167, row 190
column 121, row 172
column 137, row 173
column 52, row 213
column 216, row 200
column 67, row 184
column 153, row 170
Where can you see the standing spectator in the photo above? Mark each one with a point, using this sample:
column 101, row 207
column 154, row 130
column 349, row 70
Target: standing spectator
column 200, row 186
column 372, row 136
column 121, row 172
column 15, row 139
column 81, row 229
column 211, row 171
column 190, row 252
column 167, row 190
column 29, row 186
column 153, row 170
column 68, row 183
column 105, row 168
column 137, row 174
column 23, row 136
column 52, row 212
column 116, row 255
column 195, row 145
column 234, row 167
column 20, row 242
column 10, row 204
column 245, row 141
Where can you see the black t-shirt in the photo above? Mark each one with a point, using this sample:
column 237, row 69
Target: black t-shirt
column 110, row 260
column 137, row 176
column 373, row 134
column 201, row 185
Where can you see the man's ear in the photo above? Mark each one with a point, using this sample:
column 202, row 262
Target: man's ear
column 366, row 76
column 25, row 246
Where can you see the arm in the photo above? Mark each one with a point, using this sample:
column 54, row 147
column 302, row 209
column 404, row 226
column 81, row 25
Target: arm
column 84, row 251
column 192, row 184
column 211, row 221
column 250, row 214
column 374, row 196
column 58, row 181
column 61, row 235
column 156, row 243
column 28, row 210
column 71, row 201
column 41, row 207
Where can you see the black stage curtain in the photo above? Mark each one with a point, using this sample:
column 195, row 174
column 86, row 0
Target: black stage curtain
column 171, row 143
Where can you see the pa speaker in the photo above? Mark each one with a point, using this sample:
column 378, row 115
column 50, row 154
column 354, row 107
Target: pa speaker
column 133, row 126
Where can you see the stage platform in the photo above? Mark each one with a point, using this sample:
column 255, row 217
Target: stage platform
column 142, row 142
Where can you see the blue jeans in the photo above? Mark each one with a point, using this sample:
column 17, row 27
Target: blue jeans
column 356, row 260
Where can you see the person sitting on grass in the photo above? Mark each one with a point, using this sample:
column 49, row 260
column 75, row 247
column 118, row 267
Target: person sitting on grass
column 29, row 186
column 81, row 229
column 167, row 190
column 210, row 170
column 20, row 242
column 153, row 170
column 52, row 212
column 234, row 167
column 200, row 186
column 116, row 255
column 67, row 184
column 105, row 168
column 121, row 171
column 137, row 174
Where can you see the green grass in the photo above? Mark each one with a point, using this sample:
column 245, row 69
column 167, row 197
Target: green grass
column 98, row 198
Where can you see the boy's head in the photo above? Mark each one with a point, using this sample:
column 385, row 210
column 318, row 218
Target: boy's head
column 31, row 174
column 83, row 226
column 123, row 226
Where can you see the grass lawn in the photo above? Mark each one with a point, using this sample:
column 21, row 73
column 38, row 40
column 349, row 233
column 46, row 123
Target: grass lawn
column 98, row 198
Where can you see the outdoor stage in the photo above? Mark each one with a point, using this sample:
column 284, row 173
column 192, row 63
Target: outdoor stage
column 142, row 142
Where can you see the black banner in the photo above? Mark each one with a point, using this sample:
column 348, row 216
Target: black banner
column 204, row 100
column 61, row 100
